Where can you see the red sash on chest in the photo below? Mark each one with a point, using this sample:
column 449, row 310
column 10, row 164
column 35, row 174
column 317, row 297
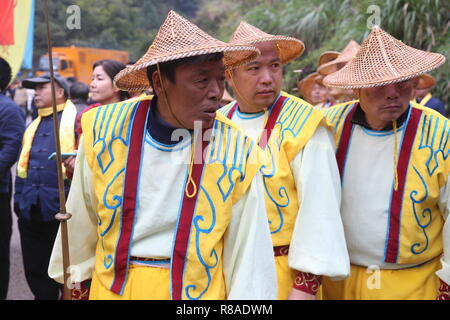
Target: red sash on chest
column 392, row 246
column 271, row 121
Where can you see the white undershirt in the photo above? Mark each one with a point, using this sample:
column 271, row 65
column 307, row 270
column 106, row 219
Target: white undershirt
column 318, row 243
column 366, row 195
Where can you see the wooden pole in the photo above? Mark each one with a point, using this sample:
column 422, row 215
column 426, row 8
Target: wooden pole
column 62, row 216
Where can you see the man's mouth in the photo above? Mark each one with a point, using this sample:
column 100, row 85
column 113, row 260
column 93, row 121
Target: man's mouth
column 265, row 92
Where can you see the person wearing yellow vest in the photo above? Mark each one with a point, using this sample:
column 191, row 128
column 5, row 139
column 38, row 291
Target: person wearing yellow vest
column 36, row 199
column 307, row 233
column 394, row 166
column 167, row 199
column 423, row 96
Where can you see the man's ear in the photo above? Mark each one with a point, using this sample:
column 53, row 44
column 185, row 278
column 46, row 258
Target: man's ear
column 356, row 92
column 59, row 93
column 228, row 74
column 156, row 83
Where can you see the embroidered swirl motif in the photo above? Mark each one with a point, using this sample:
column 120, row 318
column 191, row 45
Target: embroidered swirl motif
column 101, row 130
column 293, row 118
column 190, row 289
column 427, row 141
column 219, row 155
column 425, row 214
column 307, row 282
column 114, row 206
column 444, row 291
column 269, row 172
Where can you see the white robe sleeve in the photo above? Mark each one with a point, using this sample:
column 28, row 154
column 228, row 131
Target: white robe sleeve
column 318, row 243
column 248, row 261
column 82, row 227
column 444, row 205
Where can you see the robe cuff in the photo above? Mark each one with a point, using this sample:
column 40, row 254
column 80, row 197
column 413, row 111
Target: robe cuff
column 81, row 292
column 307, row 282
column 444, row 291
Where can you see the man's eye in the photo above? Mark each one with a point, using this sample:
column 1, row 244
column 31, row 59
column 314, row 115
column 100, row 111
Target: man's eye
column 201, row 81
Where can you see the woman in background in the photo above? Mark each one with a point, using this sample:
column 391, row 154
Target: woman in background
column 102, row 91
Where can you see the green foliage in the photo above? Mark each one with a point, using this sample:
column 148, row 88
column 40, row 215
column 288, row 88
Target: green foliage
column 330, row 24
column 111, row 24
column 321, row 24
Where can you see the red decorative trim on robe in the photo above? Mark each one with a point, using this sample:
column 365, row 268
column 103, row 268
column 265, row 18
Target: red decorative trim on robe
column 130, row 193
column 444, row 291
column 271, row 121
column 307, row 282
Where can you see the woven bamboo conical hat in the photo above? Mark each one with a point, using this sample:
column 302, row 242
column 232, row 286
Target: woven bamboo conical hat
column 383, row 60
column 178, row 38
column 289, row 48
column 347, row 54
column 327, row 56
column 426, row 81
column 305, row 85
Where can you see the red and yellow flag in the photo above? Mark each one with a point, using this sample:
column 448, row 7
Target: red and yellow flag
column 14, row 20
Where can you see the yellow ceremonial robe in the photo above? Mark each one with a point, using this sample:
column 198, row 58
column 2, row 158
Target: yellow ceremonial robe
column 415, row 220
column 112, row 144
column 294, row 126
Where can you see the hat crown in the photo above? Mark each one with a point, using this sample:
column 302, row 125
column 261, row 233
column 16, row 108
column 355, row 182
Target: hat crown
column 177, row 34
column 246, row 33
column 380, row 49
column 178, row 38
column 382, row 60
column 351, row 49
column 289, row 48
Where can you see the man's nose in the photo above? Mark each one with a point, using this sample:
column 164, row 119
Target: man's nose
column 391, row 91
column 266, row 76
column 216, row 90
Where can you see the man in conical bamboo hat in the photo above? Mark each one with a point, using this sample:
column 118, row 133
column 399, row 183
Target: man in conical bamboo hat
column 306, row 226
column 394, row 166
column 313, row 91
column 328, row 65
column 166, row 198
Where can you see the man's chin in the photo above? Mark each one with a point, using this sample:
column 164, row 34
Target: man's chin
column 265, row 102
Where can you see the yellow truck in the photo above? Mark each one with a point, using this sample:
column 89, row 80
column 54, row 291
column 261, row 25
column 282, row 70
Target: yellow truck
column 76, row 62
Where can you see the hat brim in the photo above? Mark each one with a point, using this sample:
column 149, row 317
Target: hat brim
column 356, row 85
column 307, row 83
column 33, row 82
column 288, row 48
column 426, row 81
column 332, row 66
column 383, row 60
column 134, row 78
column 328, row 56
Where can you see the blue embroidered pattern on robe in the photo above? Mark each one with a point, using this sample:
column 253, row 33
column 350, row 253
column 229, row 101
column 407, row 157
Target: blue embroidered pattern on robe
column 198, row 219
column 105, row 130
column 221, row 140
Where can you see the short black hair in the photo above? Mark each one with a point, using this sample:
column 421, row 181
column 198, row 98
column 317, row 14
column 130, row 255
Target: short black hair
column 5, row 74
column 79, row 90
column 168, row 69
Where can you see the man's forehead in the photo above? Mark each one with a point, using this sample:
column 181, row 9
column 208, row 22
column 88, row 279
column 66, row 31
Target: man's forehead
column 269, row 53
column 205, row 67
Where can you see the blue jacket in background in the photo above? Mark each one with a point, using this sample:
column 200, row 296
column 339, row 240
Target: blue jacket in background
column 12, row 127
column 40, row 188
column 436, row 105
